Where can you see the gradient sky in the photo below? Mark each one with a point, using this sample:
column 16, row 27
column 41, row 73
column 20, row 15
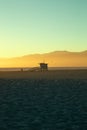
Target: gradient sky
column 40, row 26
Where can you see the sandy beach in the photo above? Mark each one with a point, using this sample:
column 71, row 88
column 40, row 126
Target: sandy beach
column 54, row 74
column 52, row 100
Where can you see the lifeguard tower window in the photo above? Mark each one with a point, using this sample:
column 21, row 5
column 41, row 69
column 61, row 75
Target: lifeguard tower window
column 43, row 66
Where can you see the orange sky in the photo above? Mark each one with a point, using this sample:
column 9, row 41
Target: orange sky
column 54, row 59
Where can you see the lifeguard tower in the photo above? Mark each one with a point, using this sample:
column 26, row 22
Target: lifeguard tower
column 43, row 66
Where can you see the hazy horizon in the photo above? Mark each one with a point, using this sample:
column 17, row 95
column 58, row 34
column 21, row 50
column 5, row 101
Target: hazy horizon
column 54, row 59
column 54, row 51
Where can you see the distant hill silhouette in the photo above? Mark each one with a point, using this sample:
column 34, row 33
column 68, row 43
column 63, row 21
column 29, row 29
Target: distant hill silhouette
column 54, row 59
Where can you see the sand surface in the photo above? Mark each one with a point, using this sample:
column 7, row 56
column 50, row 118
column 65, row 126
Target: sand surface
column 56, row 74
column 43, row 104
column 53, row 100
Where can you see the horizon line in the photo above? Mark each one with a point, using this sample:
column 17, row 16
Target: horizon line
column 44, row 53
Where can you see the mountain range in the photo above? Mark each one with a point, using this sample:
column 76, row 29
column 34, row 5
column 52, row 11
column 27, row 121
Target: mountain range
column 54, row 59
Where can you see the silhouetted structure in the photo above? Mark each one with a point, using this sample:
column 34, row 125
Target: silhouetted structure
column 43, row 66
column 21, row 69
